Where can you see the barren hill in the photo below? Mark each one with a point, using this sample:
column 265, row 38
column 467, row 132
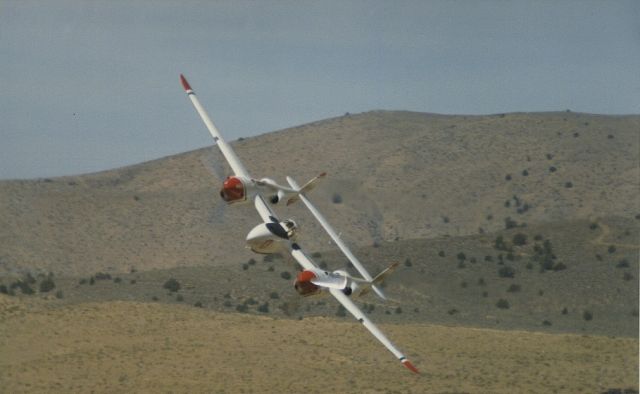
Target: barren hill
column 511, row 222
column 398, row 175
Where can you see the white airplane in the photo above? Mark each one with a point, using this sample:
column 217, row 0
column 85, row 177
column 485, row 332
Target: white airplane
column 274, row 235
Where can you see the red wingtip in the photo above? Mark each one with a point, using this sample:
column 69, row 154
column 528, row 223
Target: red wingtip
column 185, row 84
column 408, row 364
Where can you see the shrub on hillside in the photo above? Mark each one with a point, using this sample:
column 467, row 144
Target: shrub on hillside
column 102, row 276
column 506, row 272
column 28, row 278
column 559, row 267
column 624, row 263
column 285, row 275
column 514, row 288
column 519, row 239
column 47, row 285
column 510, row 223
column 23, row 286
column 503, row 304
column 172, row 285
column 500, row 244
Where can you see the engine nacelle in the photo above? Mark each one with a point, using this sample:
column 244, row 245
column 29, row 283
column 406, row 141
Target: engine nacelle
column 268, row 238
column 303, row 284
column 310, row 282
column 237, row 189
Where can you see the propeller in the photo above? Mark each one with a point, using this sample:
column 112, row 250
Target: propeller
column 213, row 161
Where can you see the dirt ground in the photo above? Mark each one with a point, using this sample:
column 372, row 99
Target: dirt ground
column 146, row 347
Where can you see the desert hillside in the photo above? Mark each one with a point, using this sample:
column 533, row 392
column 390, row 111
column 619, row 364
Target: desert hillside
column 133, row 347
column 397, row 175
column 517, row 234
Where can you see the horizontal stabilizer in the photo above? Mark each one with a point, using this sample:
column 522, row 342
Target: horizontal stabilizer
column 364, row 288
column 306, row 188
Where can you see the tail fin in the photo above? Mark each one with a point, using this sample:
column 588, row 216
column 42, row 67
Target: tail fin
column 306, row 188
column 366, row 287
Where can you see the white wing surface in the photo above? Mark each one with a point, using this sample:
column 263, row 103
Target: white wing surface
column 265, row 212
column 235, row 163
column 357, row 313
column 325, row 224
column 300, row 257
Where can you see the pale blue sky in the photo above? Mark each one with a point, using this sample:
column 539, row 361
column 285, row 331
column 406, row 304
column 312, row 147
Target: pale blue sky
column 90, row 85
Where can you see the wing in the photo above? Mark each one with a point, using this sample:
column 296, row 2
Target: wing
column 300, row 257
column 235, row 163
column 357, row 313
column 325, row 224
column 346, row 302
column 265, row 212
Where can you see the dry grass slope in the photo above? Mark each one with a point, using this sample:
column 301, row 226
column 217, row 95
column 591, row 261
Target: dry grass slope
column 137, row 347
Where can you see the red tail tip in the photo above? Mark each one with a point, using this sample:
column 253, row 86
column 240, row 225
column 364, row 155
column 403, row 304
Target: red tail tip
column 410, row 366
column 185, row 84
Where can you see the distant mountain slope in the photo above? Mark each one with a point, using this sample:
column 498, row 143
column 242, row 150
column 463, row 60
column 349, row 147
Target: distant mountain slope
column 398, row 175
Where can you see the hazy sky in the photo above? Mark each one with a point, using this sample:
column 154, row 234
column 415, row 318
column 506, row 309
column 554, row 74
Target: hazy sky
column 91, row 85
